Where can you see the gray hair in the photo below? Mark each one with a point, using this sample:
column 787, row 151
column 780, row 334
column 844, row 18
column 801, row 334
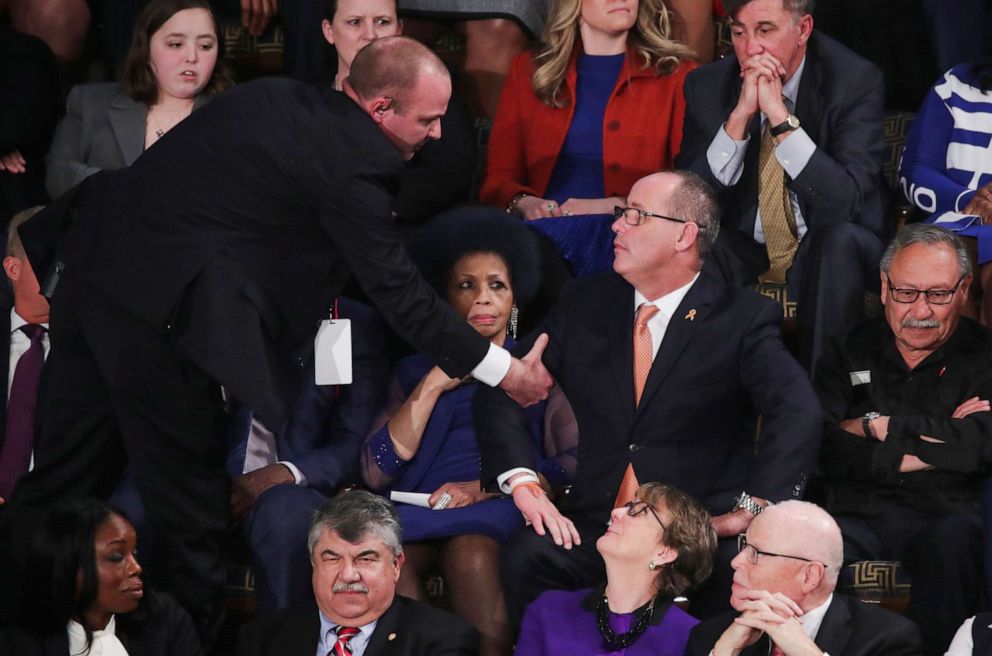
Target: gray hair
column 929, row 235
column 798, row 8
column 355, row 514
column 694, row 200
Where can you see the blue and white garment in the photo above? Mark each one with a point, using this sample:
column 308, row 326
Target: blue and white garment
column 948, row 155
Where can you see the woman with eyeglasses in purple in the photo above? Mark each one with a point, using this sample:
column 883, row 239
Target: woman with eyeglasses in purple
column 657, row 547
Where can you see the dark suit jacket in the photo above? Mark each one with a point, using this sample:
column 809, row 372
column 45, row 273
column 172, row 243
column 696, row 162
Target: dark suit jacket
column 407, row 628
column 103, row 128
column 720, row 365
column 160, row 628
column 31, row 103
column 849, row 628
column 241, row 225
column 839, row 104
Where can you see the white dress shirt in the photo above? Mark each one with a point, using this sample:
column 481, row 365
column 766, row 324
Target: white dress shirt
column 726, row 155
column 658, row 325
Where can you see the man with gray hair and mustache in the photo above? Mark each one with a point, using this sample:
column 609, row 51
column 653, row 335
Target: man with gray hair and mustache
column 908, row 428
column 356, row 549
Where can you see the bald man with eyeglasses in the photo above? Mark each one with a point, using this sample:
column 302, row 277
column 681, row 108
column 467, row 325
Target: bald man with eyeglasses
column 908, row 428
column 784, row 600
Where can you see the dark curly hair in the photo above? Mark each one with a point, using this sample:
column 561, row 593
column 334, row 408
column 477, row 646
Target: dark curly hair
column 465, row 230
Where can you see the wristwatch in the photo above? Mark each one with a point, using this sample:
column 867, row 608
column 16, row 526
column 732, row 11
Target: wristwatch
column 866, row 423
column 745, row 502
column 790, row 123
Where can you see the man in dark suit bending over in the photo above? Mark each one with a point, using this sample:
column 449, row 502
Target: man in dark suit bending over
column 784, row 581
column 671, row 399
column 209, row 262
column 356, row 550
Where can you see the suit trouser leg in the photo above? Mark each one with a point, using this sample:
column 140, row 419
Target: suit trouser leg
column 942, row 556
column 117, row 380
column 531, row 564
column 277, row 532
column 944, row 563
column 834, row 266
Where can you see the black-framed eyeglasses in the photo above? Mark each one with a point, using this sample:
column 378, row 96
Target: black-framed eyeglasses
column 635, row 217
column 638, row 507
column 752, row 552
column 933, row 296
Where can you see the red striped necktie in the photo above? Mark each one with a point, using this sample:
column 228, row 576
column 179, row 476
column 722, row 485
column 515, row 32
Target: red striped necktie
column 345, row 634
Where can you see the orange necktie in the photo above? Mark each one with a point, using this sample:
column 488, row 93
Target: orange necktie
column 628, row 487
column 643, row 352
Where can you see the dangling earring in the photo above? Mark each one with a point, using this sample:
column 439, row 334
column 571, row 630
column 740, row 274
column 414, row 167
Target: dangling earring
column 511, row 327
column 652, row 566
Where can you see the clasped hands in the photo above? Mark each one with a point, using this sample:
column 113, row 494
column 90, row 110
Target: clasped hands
column 767, row 613
column 761, row 91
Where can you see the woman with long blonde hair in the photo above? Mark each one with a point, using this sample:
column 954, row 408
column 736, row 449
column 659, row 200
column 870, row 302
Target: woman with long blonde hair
column 596, row 106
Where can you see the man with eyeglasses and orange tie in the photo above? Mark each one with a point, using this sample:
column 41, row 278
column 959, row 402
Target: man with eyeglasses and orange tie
column 784, row 600
column 907, row 429
column 667, row 369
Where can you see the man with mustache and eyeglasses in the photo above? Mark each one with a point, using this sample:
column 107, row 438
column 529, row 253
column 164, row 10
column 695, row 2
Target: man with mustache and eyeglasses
column 908, row 424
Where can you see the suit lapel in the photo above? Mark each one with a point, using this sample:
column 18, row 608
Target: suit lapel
column 127, row 120
column 621, row 338
column 682, row 327
column 388, row 625
column 835, row 628
column 4, row 371
column 808, row 98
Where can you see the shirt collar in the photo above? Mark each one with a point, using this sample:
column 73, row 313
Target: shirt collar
column 791, row 88
column 16, row 321
column 329, row 636
column 668, row 303
column 813, row 618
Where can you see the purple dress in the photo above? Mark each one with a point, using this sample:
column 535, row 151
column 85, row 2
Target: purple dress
column 561, row 622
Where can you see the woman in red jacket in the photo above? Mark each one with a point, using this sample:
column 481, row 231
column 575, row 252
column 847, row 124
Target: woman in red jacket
column 597, row 106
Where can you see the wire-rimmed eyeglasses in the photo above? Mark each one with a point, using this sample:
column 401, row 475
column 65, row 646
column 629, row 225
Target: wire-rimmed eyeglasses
column 752, row 552
column 933, row 296
column 638, row 507
column 635, row 217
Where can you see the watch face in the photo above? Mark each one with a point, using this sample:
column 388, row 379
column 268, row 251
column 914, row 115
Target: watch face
column 793, row 121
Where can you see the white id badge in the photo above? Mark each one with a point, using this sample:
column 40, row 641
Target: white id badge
column 332, row 352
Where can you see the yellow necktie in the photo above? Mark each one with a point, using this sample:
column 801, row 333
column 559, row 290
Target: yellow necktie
column 778, row 221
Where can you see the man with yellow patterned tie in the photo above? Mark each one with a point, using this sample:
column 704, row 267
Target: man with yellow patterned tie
column 789, row 133
column 667, row 368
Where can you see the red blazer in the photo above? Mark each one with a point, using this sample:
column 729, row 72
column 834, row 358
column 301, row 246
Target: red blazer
column 642, row 129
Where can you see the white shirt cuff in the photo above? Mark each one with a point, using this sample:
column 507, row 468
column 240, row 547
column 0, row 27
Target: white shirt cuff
column 726, row 157
column 794, row 151
column 294, row 470
column 493, row 367
column 529, row 477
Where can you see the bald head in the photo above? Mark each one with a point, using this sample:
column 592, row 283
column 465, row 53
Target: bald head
column 392, row 67
column 804, row 528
